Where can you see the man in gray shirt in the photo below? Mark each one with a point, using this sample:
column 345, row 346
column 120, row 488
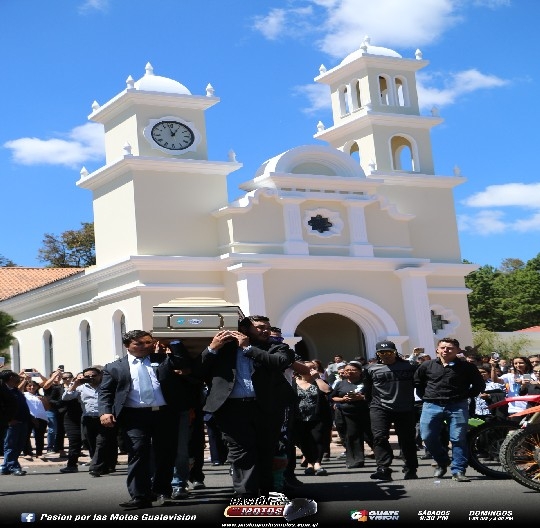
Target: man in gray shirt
column 102, row 441
column 389, row 389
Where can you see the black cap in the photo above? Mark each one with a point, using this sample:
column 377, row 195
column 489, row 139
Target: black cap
column 385, row 345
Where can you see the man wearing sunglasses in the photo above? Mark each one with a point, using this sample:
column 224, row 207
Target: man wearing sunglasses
column 389, row 388
column 102, row 442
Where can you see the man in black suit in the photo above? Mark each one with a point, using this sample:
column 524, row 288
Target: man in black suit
column 248, row 395
column 138, row 403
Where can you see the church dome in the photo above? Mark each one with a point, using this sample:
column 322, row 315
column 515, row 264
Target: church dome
column 155, row 83
column 368, row 49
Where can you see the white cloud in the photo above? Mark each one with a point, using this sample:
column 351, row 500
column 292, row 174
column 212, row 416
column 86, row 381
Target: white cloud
column 483, row 223
column 84, row 143
column 318, row 96
column 493, row 221
column 387, row 22
column 342, row 24
column 93, row 5
column 280, row 23
column 454, row 86
column 507, row 195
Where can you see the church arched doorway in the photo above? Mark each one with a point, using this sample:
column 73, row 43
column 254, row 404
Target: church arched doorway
column 326, row 334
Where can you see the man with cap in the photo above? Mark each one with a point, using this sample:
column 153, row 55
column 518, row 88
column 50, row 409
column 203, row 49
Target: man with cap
column 389, row 389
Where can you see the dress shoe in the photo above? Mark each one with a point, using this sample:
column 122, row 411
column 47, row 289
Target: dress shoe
column 383, row 474
column 18, row 473
column 440, row 471
column 309, row 471
column 355, row 466
column 94, row 474
column 342, row 455
column 69, row 469
column 197, row 484
column 135, row 504
column 409, row 474
column 460, row 477
column 321, row 472
column 426, row 456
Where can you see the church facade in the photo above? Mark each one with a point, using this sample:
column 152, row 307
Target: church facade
column 341, row 244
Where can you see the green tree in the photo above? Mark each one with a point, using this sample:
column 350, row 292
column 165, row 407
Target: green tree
column 72, row 249
column 5, row 262
column 7, row 326
column 511, row 264
column 483, row 306
column 518, row 297
column 488, row 342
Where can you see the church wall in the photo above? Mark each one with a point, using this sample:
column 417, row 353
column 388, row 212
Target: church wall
column 262, row 224
column 433, row 231
column 114, row 221
column 177, row 222
column 383, row 230
column 286, row 288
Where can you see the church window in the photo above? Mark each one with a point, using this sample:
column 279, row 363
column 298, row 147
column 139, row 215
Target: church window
column 404, row 154
column 437, row 322
column 385, row 93
column 320, row 224
column 402, row 94
column 48, row 352
column 86, row 344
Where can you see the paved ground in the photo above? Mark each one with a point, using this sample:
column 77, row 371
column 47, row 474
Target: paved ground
column 340, row 495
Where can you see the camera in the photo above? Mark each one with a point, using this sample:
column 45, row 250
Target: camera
column 61, row 367
column 495, row 356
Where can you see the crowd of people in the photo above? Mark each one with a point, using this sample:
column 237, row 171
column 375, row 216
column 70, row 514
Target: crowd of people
column 258, row 403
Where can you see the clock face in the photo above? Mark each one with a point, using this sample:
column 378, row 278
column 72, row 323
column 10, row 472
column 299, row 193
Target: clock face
column 172, row 135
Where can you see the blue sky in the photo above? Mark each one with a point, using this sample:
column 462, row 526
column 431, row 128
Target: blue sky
column 261, row 57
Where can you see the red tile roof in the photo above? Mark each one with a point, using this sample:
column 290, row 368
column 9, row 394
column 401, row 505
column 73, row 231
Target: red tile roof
column 530, row 329
column 15, row 280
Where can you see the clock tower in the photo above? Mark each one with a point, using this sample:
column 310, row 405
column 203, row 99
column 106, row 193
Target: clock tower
column 157, row 190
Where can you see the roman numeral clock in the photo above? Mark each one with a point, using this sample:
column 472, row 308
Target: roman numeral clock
column 172, row 134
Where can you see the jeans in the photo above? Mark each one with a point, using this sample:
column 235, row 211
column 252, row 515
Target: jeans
column 14, row 443
column 52, row 427
column 456, row 416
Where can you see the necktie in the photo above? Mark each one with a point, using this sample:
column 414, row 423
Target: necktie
column 146, row 389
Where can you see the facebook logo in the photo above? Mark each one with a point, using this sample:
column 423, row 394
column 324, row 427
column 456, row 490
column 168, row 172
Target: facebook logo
column 28, row 517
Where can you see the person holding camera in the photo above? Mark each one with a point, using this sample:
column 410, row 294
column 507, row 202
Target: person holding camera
column 514, row 381
column 102, row 443
column 248, row 396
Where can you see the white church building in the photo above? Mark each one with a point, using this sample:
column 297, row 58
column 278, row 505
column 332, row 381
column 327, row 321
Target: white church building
column 340, row 244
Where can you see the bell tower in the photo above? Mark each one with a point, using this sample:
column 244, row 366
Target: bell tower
column 376, row 113
column 157, row 190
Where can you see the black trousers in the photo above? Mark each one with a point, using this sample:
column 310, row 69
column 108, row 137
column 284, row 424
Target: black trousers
column 72, row 426
column 102, row 443
column 312, row 439
column 150, row 439
column 405, row 427
column 252, row 436
column 357, row 430
column 39, row 428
